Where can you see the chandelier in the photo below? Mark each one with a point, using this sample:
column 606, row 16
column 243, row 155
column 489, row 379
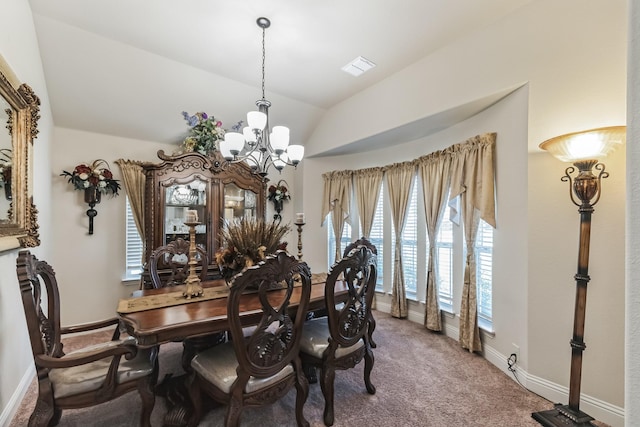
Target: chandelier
column 258, row 145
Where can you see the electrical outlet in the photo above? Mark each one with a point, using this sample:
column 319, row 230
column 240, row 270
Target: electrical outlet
column 516, row 351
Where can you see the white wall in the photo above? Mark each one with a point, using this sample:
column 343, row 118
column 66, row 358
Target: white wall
column 572, row 53
column 632, row 330
column 89, row 268
column 19, row 47
column 509, row 119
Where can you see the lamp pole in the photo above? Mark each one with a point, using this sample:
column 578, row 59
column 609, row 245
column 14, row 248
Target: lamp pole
column 586, row 187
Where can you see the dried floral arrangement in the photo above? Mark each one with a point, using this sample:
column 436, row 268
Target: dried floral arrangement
column 96, row 174
column 247, row 241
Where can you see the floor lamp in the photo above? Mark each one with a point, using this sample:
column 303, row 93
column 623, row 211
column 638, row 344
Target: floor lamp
column 583, row 150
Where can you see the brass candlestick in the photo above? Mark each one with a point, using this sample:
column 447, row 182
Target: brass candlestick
column 193, row 287
column 299, row 225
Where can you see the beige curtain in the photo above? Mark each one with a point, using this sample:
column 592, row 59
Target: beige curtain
column 367, row 188
column 473, row 180
column 434, row 171
column 336, row 200
column 399, row 177
column 133, row 178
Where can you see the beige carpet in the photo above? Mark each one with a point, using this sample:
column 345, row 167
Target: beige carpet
column 422, row 379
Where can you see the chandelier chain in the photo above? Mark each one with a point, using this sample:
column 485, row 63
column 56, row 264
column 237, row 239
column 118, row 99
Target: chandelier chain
column 264, row 55
column 255, row 144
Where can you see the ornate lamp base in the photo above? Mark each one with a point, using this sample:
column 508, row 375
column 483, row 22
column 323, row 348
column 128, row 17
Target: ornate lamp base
column 192, row 286
column 563, row 416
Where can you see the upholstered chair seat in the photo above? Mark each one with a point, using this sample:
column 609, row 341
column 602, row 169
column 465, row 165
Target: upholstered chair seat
column 315, row 339
column 219, row 365
column 90, row 376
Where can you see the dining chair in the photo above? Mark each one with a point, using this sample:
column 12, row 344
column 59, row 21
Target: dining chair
column 84, row 377
column 341, row 340
column 259, row 368
column 169, row 264
column 366, row 242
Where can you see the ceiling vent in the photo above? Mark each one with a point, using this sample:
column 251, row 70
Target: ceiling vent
column 358, row 66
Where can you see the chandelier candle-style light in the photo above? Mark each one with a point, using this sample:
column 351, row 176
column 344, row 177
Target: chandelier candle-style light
column 258, row 145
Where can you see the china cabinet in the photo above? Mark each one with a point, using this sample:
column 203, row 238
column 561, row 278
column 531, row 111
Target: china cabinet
column 215, row 189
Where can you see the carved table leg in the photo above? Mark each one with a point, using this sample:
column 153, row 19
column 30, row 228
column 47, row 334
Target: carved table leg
column 174, row 389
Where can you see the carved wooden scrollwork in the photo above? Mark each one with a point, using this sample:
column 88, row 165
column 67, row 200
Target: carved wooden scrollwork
column 18, row 220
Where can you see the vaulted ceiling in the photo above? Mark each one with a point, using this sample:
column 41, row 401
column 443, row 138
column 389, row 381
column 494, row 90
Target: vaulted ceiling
column 129, row 68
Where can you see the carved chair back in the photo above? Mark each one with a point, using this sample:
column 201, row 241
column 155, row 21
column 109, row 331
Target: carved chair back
column 275, row 341
column 43, row 323
column 363, row 241
column 348, row 322
column 169, row 264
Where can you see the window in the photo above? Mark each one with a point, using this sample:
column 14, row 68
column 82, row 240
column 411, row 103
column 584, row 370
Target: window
column 376, row 237
column 134, row 246
column 444, row 258
column 345, row 239
column 449, row 253
column 484, row 266
column 410, row 244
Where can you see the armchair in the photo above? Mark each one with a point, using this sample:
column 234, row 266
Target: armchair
column 84, row 377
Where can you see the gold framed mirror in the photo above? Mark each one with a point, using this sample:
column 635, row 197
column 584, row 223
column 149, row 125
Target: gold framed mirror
column 19, row 114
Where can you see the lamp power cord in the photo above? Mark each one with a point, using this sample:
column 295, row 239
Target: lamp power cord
column 512, row 360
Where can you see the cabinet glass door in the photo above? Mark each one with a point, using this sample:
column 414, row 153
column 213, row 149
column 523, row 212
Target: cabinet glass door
column 238, row 202
column 178, row 199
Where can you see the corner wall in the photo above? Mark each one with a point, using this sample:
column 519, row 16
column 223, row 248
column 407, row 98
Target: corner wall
column 19, row 47
column 632, row 330
column 510, row 305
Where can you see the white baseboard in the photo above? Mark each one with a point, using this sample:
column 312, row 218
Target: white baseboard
column 10, row 410
column 599, row 409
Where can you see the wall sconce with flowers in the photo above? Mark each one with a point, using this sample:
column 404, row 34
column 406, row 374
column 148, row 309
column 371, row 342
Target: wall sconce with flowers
column 6, row 157
column 278, row 194
column 94, row 179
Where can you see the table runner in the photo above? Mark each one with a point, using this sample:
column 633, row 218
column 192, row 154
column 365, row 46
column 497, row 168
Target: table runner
column 149, row 302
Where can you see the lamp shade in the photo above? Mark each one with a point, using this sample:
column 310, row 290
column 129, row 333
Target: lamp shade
column 225, row 151
column 249, row 135
column 279, row 139
column 586, row 145
column 234, row 142
column 256, row 120
column 295, row 152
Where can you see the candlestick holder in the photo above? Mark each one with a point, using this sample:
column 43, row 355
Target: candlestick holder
column 299, row 225
column 192, row 286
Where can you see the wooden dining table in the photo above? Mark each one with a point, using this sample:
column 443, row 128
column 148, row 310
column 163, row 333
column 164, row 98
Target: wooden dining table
column 194, row 318
column 200, row 318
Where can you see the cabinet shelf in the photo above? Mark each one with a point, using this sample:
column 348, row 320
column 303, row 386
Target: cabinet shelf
column 173, row 205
